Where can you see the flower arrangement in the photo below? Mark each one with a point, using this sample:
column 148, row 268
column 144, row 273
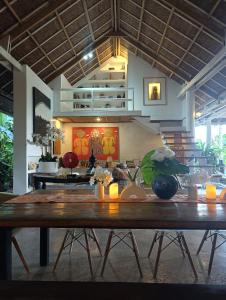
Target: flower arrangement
column 46, row 142
column 161, row 161
column 101, row 176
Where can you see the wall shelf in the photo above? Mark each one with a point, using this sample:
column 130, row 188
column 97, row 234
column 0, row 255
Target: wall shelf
column 92, row 94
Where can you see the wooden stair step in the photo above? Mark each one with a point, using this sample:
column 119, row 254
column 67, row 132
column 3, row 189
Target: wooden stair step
column 188, row 157
column 197, row 150
column 202, row 166
column 178, row 137
column 178, row 143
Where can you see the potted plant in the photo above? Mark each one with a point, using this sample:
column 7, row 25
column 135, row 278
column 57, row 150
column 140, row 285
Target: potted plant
column 101, row 178
column 159, row 168
column 47, row 162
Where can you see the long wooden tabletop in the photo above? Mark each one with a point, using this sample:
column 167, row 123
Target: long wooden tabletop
column 135, row 214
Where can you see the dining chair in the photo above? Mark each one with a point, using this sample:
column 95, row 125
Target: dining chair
column 212, row 235
column 127, row 238
column 82, row 237
column 3, row 198
column 173, row 237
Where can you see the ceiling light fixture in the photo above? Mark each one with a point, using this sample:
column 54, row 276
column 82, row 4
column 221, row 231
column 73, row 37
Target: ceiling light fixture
column 98, row 119
column 87, row 56
column 198, row 114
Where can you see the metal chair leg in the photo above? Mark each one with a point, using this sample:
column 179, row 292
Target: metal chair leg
column 72, row 241
column 153, row 243
column 96, row 241
column 88, row 251
column 60, row 251
column 212, row 252
column 17, row 247
column 188, row 254
column 107, row 250
column 202, row 242
column 180, row 243
column 135, row 249
column 158, row 253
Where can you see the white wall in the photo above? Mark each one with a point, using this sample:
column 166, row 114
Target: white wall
column 137, row 70
column 23, row 124
column 134, row 141
column 57, row 84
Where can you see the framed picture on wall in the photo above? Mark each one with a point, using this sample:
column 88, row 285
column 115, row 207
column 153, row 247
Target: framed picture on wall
column 41, row 112
column 103, row 141
column 154, row 91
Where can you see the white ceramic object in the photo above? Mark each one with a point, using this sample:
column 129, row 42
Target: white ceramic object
column 133, row 191
column 47, row 167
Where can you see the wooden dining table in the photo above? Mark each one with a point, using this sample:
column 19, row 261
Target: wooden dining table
column 72, row 209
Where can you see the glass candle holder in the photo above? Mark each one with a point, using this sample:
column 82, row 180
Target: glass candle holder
column 113, row 191
column 211, row 192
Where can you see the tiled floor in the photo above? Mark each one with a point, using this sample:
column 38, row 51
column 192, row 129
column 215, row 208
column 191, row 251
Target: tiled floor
column 121, row 265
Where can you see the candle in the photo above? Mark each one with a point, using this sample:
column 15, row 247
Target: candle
column 223, row 194
column 113, row 191
column 210, row 191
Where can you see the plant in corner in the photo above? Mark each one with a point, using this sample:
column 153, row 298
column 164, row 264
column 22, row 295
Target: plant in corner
column 159, row 168
column 46, row 142
column 47, row 162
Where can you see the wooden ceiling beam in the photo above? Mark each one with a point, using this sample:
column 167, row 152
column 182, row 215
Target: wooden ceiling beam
column 52, row 36
column 140, row 21
column 216, row 4
column 177, row 4
column 75, row 60
column 69, row 40
column 66, row 34
column 165, row 23
column 88, row 19
column 188, row 75
column 192, row 20
column 200, row 98
column 34, row 19
column 158, row 60
column 30, row 35
column 164, row 32
column 197, row 35
column 59, row 57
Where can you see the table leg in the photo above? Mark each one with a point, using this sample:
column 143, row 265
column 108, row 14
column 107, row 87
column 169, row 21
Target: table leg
column 44, row 246
column 37, row 184
column 5, row 254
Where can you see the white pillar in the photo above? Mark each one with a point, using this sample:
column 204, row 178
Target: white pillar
column 208, row 132
column 20, row 174
column 24, row 153
column 190, row 112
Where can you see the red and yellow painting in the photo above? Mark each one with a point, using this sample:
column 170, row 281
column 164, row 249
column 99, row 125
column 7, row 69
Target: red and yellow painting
column 104, row 141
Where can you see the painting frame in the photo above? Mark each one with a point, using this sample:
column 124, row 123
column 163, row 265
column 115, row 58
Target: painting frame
column 154, row 89
column 96, row 138
column 41, row 103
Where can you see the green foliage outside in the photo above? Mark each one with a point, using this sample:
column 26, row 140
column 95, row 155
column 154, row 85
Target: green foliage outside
column 216, row 151
column 6, row 152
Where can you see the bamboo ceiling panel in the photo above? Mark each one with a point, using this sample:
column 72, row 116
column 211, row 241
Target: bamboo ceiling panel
column 179, row 37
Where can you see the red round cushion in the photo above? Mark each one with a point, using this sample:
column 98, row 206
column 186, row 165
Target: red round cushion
column 70, row 160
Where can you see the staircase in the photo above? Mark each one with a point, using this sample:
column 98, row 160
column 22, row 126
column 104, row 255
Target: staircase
column 157, row 126
column 182, row 143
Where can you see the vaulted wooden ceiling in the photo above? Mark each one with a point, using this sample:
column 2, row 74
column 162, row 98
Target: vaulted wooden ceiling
column 178, row 37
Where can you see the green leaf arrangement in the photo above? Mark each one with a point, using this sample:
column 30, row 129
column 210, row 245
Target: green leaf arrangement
column 152, row 168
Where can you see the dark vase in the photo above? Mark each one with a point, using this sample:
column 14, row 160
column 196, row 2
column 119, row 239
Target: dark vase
column 165, row 186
